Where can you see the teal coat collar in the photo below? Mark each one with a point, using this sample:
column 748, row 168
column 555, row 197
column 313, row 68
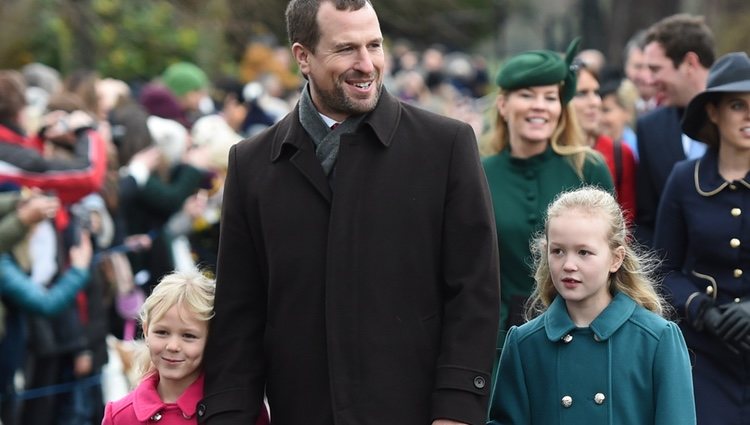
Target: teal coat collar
column 557, row 322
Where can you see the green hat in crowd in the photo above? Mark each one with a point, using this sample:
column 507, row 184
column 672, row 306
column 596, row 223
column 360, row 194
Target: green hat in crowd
column 541, row 68
column 184, row 77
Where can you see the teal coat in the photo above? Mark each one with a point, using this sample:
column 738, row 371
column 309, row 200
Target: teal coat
column 521, row 190
column 635, row 361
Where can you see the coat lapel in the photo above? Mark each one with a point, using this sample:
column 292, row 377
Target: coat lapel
column 291, row 134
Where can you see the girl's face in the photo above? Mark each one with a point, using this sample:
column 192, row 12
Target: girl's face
column 580, row 259
column 614, row 117
column 176, row 343
column 732, row 116
column 532, row 113
column 587, row 103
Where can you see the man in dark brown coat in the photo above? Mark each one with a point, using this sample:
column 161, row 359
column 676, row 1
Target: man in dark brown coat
column 358, row 276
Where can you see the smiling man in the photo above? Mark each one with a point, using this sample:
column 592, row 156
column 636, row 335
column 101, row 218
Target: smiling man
column 679, row 51
column 357, row 280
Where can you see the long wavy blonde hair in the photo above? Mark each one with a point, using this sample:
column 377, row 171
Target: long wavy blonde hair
column 636, row 277
column 567, row 139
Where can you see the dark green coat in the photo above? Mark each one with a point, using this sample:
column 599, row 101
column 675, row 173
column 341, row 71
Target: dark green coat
column 636, row 361
column 521, row 190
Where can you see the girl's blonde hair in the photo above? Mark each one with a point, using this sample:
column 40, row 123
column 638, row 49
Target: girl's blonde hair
column 567, row 139
column 192, row 291
column 635, row 275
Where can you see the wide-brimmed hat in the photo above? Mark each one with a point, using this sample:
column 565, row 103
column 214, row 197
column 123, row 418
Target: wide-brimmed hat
column 541, row 68
column 730, row 73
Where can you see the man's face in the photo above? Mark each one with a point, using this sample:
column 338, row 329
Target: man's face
column 670, row 81
column 637, row 72
column 346, row 71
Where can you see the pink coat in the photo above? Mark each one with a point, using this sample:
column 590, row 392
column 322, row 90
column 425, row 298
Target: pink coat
column 143, row 405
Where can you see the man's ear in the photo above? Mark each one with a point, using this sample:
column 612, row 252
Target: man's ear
column 302, row 56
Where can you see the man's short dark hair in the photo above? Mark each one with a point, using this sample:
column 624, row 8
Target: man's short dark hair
column 683, row 33
column 301, row 19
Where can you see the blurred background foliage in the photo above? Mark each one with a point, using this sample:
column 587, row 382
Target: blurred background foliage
column 137, row 39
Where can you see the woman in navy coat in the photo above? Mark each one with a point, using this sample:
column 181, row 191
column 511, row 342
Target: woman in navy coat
column 702, row 229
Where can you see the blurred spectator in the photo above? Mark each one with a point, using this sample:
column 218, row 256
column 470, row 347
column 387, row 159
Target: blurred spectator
column 189, row 84
column 636, row 70
column 21, row 159
column 620, row 160
column 618, row 111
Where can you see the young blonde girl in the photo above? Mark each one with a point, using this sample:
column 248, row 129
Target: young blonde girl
column 175, row 327
column 597, row 349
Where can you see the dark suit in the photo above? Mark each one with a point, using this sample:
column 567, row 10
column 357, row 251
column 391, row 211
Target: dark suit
column 374, row 301
column 659, row 147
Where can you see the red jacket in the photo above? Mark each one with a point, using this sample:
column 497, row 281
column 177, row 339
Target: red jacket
column 144, row 406
column 22, row 164
column 625, row 178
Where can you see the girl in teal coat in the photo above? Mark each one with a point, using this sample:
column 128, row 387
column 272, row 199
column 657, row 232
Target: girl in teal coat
column 600, row 352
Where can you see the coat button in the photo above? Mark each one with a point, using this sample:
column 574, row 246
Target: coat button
column 201, row 409
column 733, row 187
column 567, row 338
column 734, row 243
column 596, row 338
column 736, row 212
column 599, row 398
column 738, row 273
column 479, row 382
column 737, row 300
column 156, row 418
column 709, row 290
column 567, row 401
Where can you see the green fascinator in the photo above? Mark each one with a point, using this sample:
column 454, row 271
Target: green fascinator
column 541, row 68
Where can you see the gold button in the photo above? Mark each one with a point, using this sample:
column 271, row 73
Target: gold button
column 599, row 398
column 736, row 212
column 733, row 187
column 734, row 243
column 567, row 401
column 709, row 289
column 567, row 338
column 738, row 273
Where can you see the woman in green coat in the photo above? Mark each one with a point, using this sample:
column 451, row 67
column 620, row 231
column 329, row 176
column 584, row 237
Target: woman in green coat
column 600, row 352
column 536, row 152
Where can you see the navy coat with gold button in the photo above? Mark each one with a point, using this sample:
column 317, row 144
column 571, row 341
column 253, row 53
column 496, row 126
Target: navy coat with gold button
column 630, row 367
column 703, row 230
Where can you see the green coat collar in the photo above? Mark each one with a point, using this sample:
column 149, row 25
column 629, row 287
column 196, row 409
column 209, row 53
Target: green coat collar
column 557, row 322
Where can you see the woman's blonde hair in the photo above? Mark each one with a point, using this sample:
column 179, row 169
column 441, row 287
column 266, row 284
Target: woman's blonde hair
column 192, row 291
column 635, row 277
column 567, row 139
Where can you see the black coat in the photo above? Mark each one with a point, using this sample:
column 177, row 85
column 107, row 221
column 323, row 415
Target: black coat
column 370, row 301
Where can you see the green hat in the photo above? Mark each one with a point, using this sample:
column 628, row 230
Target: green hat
column 541, row 68
column 184, row 77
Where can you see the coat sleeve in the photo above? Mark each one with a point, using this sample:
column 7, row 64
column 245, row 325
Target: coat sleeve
column 471, row 303
column 673, row 382
column 72, row 180
column 510, row 403
column 234, row 362
column 15, row 285
column 671, row 240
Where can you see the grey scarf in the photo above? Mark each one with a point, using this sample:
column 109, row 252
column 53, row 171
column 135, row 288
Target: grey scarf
column 326, row 140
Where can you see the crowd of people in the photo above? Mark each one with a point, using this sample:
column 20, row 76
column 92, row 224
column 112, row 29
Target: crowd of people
column 389, row 237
